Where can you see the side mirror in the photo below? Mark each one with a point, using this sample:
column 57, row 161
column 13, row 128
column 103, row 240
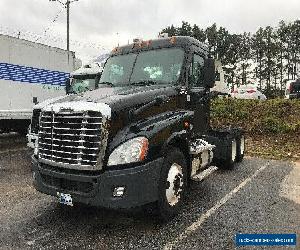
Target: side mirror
column 35, row 100
column 209, row 72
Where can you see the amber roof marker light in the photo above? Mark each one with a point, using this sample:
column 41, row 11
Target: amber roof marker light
column 173, row 40
column 146, row 43
column 144, row 149
column 116, row 50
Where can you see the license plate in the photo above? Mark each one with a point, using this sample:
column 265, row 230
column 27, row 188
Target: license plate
column 65, row 199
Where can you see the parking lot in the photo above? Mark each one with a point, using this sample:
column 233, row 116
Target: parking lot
column 257, row 196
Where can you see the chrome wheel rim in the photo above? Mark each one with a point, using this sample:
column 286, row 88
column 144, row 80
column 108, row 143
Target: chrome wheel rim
column 233, row 150
column 174, row 184
column 242, row 148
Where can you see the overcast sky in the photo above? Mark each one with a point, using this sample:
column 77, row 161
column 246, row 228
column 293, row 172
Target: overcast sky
column 100, row 24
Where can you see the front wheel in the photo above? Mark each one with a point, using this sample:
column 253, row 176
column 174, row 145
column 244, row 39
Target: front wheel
column 172, row 184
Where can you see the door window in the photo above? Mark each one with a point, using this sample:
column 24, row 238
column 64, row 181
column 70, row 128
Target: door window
column 196, row 71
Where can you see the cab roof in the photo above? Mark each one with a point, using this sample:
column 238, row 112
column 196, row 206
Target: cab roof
column 90, row 69
column 186, row 42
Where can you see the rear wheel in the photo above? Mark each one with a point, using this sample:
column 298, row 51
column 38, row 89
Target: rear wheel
column 231, row 156
column 172, row 184
column 241, row 149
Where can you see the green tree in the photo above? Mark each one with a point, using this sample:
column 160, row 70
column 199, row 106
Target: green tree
column 282, row 41
column 198, row 33
column 258, row 47
column 244, row 55
column 171, row 30
column 295, row 47
column 273, row 52
column 212, row 37
column 185, row 29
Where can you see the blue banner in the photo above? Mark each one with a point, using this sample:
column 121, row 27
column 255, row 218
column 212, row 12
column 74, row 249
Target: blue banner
column 265, row 239
column 18, row 73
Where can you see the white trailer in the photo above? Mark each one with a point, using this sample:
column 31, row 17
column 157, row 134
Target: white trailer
column 220, row 83
column 29, row 73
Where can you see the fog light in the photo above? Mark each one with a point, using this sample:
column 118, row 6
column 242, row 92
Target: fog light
column 119, row 191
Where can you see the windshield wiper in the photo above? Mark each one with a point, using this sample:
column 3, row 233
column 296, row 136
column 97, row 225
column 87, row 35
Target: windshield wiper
column 107, row 83
column 144, row 83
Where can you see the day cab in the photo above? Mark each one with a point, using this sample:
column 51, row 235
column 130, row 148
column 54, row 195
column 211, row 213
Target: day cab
column 139, row 138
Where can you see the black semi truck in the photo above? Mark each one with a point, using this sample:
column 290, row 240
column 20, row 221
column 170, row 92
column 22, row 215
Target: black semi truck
column 141, row 137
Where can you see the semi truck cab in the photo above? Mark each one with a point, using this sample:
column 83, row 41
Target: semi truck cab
column 139, row 138
column 84, row 79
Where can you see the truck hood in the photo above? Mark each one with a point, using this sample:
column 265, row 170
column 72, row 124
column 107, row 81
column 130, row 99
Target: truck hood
column 43, row 104
column 116, row 98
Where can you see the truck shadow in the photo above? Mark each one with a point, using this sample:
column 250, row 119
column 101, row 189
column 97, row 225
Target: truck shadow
column 105, row 227
column 86, row 224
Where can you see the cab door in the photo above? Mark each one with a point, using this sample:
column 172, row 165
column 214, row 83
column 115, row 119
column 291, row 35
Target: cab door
column 198, row 95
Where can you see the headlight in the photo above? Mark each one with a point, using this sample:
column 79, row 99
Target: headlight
column 134, row 150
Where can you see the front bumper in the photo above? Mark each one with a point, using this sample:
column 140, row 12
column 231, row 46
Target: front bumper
column 141, row 184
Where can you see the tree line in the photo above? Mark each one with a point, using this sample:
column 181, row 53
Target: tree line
column 268, row 57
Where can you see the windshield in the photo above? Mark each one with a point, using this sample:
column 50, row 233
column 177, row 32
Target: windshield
column 82, row 83
column 149, row 67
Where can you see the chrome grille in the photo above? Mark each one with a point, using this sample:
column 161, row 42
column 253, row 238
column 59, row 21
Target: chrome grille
column 70, row 139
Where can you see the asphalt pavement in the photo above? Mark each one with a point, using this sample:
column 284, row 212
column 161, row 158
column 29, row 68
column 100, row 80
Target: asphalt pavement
column 257, row 196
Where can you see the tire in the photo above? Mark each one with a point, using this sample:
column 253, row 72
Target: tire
column 172, row 184
column 231, row 156
column 240, row 149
